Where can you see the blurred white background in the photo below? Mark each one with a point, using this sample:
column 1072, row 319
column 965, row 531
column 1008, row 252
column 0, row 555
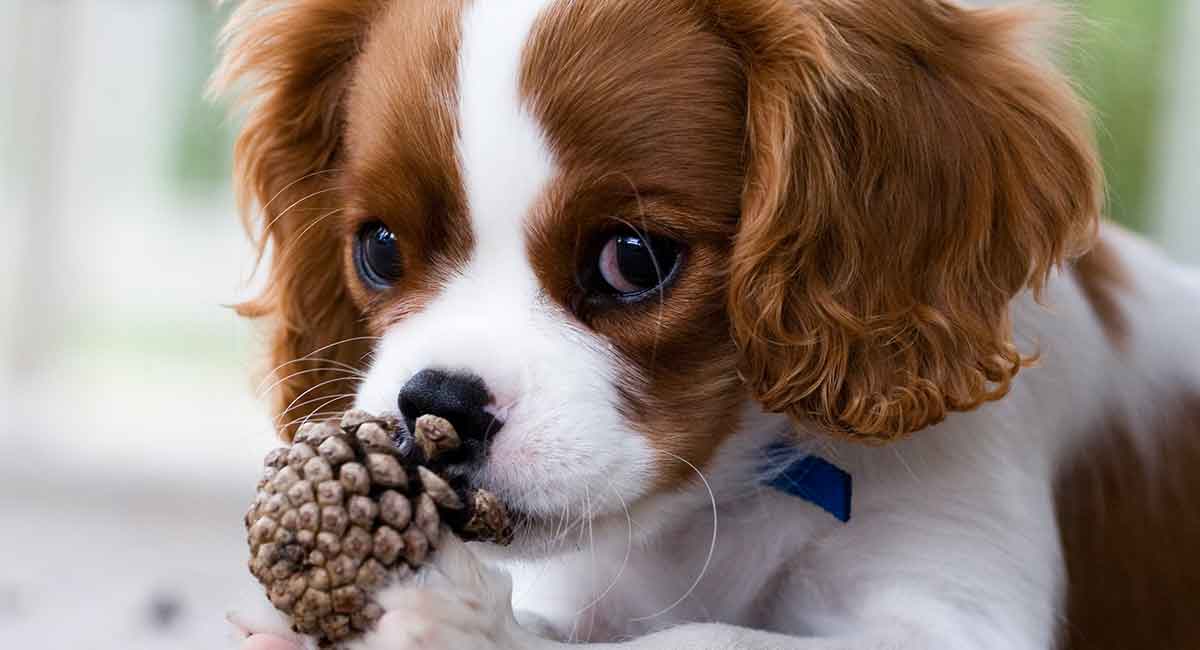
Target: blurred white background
column 130, row 435
column 130, row 431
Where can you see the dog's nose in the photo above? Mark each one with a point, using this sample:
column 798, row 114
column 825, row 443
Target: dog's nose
column 458, row 397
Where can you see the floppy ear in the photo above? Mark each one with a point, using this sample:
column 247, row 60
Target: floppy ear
column 288, row 61
column 911, row 168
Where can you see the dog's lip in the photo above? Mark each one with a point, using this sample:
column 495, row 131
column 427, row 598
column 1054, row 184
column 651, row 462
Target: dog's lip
column 472, row 475
column 531, row 528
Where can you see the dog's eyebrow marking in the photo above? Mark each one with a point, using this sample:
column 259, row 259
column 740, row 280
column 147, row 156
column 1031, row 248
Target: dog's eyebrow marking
column 505, row 161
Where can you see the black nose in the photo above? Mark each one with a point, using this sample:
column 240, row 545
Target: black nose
column 460, row 398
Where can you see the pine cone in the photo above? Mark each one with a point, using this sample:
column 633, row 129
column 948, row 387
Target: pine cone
column 345, row 509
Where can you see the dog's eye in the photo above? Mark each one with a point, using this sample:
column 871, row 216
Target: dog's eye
column 376, row 257
column 631, row 264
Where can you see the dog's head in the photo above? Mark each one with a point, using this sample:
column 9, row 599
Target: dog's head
column 590, row 231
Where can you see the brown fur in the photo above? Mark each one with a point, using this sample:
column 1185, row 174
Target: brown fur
column 401, row 162
column 1127, row 511
column 1103, row 278
column 910, row 171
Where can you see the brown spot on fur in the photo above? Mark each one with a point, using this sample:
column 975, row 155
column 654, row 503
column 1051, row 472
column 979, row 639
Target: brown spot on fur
column 1103, row 278
column 1127, row 508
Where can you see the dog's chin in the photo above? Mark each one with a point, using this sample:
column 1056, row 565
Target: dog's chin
column 538, row 537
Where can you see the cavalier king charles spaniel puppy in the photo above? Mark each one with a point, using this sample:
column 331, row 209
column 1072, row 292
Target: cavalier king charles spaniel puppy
column 776, row 323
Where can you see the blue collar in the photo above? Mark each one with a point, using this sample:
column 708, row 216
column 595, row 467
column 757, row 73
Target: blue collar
column 811, row 478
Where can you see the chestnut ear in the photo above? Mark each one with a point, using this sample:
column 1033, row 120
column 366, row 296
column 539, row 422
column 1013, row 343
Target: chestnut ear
column 288, row 63
column 912, row 166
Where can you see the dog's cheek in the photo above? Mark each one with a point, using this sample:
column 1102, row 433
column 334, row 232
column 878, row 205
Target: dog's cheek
column 684, row 415
column 680, row 388
column 566, row 444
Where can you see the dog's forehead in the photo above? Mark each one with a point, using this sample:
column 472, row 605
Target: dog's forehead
column 640, row 87
column 457, row 94
column 504, row 160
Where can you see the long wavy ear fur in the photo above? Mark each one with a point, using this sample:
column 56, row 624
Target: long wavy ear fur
column 288, row 63
column 912, row 166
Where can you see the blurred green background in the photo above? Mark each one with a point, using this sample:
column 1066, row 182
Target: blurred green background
column 122, row 368
column 1119, row 59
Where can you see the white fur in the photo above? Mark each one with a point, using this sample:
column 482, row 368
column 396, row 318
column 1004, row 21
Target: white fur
column 563, row 447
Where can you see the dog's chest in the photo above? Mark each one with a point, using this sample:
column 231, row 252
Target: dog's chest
column 610, row 586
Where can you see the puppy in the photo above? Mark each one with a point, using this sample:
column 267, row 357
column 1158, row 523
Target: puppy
column 757, row 313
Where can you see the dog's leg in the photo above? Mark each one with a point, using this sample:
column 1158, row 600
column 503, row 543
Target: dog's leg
column 456, row 602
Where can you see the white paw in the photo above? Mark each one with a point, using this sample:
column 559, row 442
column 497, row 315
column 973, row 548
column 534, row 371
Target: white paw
column 455, row 603
column 263, row 619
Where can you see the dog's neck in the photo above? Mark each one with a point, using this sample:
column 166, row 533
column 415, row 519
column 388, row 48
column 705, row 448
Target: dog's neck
column 632, row 573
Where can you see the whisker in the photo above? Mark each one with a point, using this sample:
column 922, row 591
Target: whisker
column 904, row 462
column 308, row 371
column 317, row 399
column 311, row 355
column 317, row 411
column 341, row 342
column 304, row 420
column 302, row 199
column 295, row 240
column 320, row 208
column 488, row 432
column 587, row 495
column 333, row 362
column 712, row 547
column 323, row 405
column 577, row 619
column 311, row 389
column 628, row 550
column 258, row 238
column 570, row 526
column 293, row 183
column 583, row 515
column 562, row 523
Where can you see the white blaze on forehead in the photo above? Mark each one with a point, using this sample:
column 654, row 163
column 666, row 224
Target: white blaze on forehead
column 564, row 441
column 502, row 150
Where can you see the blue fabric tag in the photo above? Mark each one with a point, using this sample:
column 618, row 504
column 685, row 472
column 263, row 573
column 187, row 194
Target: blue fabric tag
column 817, row 481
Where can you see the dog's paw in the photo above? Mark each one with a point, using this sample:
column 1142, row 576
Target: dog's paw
column 264, row 628
column 454, row 603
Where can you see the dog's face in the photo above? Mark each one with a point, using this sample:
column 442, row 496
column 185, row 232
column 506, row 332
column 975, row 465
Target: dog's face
column 587, row 232
column 550, row 222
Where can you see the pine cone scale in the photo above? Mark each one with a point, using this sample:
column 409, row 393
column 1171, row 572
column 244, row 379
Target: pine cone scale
column 336, row 517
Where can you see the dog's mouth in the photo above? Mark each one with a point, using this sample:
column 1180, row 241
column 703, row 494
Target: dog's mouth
column 539, row 532
column 538, row 536
column 542, row 521
column 463, row 470
column 532, row 530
